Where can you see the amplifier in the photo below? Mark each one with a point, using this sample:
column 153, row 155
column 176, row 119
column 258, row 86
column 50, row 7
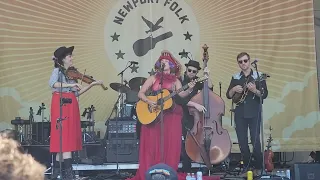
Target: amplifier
column 126, row 128
column 126, row 149
column 306, row 171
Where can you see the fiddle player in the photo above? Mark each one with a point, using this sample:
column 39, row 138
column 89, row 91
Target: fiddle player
column 71, row 128
column 247, row 113
column 192, row 69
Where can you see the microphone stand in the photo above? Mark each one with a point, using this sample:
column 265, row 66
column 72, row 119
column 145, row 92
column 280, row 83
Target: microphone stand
column 161, row 115
column 60, row 119
column 263, row 171
column 119, row 115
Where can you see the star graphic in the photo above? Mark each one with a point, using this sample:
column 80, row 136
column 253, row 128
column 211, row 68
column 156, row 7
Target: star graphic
column 184, row 54
column 115, row 37
column 188, row 36
column 120, row 54
column 152, row 72
column 134, row 68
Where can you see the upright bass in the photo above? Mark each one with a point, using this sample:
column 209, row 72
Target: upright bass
column 207, row 142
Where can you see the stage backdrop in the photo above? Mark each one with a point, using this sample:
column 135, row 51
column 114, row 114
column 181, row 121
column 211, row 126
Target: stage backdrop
column 107, row 35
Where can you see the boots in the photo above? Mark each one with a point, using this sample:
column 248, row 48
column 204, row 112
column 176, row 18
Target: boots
column 56, row 170
column 68, row 172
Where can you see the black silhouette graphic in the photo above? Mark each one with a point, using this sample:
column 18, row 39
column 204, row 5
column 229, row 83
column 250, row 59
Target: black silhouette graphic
column 153, row 27
column 120, row 54
column 152, row 72
column 115, row 37
column 134, row 68
column 142, row 46
column 187, row 36
column 183, row 54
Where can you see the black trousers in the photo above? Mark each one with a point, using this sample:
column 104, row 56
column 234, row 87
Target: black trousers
column 185, row 159
column 242, row 125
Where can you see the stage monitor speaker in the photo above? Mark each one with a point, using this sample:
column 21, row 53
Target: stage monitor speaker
column 306, row 171
column 128, row 150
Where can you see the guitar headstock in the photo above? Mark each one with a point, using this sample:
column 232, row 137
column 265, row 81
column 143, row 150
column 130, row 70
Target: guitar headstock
column 264, row 76
column 31, row 111
column 93, row 108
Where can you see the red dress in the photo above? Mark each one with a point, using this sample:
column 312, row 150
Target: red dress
column 149, row 150
column 71, row 128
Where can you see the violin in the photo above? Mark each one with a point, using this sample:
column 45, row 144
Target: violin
column 74, row 74
column 268, row 155
column 208, row 142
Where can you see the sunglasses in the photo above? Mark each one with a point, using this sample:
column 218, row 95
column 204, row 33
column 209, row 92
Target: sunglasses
column 245, row 61
column 194, row 71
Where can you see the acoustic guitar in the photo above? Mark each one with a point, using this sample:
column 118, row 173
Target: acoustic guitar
column 146, row 114
column 238, row 98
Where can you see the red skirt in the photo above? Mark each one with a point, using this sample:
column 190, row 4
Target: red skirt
column 150, row 150
column 71, row 127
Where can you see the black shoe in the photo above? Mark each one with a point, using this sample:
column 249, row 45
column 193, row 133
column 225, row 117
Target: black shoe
column 69, row 174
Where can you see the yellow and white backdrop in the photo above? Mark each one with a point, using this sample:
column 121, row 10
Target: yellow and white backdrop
column 107, row 34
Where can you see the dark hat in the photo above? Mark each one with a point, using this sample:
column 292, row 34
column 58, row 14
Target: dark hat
column 195, row 64
column 62, row 52
column 162, row 170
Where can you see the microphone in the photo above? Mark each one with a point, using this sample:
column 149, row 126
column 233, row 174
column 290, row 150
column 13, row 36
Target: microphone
column 255, row 62
column 133, row 62
column 181, row 53
column 162, row 66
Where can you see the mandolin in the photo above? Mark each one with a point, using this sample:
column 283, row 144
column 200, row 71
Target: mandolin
column 147, row 115
column 268, row 155
column 238, row 98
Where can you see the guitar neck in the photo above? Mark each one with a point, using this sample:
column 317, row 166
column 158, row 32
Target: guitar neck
column 175, row 92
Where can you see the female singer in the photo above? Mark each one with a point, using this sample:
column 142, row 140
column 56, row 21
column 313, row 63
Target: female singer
column 150, row 150
column 71, row 128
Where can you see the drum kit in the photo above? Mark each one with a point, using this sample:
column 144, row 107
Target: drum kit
column 128, row 96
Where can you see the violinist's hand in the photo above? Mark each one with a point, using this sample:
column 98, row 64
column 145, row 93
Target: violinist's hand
column 237, row 89
column 96, row 83
column 76, row 85
column 199, row 107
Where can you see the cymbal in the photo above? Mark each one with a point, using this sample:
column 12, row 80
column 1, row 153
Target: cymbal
column 119, row 87
column 136, row 82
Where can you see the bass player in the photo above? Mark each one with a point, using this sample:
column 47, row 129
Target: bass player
column 247, row 113
column 192, row 69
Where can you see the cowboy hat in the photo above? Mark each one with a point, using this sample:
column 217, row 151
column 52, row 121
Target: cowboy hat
column 63, row 51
